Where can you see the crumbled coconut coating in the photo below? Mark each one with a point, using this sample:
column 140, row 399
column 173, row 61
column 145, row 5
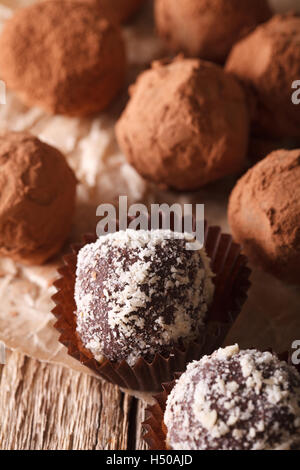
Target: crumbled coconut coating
column 140, row 292
column 235, row 400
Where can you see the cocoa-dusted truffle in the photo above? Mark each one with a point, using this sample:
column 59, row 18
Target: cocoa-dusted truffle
column 235, row 400
column 120, row 10
column 264, row 214
column 63, row 56
column 207, row 29
column 186, row 124
column 36, row 199
column 268, row 61
column 139, row 293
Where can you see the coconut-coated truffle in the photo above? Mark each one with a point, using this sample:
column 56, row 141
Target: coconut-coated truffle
column 63, row 56
column 235, row 400
column 268, row 62
column 139, row 293
column 37, row 198
column 186, row 124
column 264, row 214
column 207, row 29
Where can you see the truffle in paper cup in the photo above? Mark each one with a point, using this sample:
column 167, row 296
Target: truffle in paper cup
column 231, row 284
column 154, row 428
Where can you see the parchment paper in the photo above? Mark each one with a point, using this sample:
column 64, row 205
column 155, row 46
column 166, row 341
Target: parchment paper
column 271, row 317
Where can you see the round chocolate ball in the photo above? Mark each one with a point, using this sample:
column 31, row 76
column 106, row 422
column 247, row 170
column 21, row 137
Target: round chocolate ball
column 268, row 62
column 264, row 214
column 139, row 293
column 235, row 400
column 37, row 198
column 186, row 124
column 207, row 29
column 65, row 57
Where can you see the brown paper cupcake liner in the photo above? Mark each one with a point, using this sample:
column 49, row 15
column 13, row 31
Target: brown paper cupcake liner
column 231, row 286
column 153, row 428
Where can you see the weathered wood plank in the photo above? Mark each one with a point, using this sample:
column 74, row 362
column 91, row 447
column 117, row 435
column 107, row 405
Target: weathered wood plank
column 46, row 406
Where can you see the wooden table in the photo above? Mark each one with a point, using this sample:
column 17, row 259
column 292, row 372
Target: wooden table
column 50, row 407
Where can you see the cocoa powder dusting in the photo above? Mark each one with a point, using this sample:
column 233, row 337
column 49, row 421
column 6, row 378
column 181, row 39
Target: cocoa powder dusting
column 37, row 198
column 65, row 57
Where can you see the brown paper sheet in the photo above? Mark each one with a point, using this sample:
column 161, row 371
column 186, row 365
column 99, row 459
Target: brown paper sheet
column 271, row 317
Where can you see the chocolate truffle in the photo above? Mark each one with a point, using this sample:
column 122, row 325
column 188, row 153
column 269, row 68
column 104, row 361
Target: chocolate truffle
column 264, row 214
column 120, row 10
column 186, row 124
column 235, row 400
column 139, row 293
column 207, row 29
column 268, row 62
column 36, row 199
column 65, row 57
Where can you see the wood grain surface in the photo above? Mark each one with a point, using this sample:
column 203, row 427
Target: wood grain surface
column 48, row 407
